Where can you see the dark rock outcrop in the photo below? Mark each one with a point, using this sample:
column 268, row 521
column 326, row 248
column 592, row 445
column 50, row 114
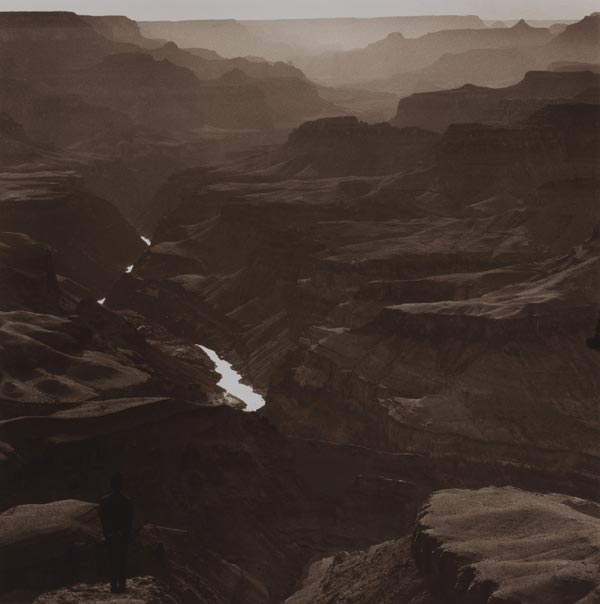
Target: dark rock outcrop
column 344, row 146
column 93, row 242
column 27, row 278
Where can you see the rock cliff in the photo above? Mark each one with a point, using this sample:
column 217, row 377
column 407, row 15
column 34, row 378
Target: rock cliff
column 507, row 545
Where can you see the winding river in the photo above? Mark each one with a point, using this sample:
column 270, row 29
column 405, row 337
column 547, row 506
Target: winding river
column 231, row 381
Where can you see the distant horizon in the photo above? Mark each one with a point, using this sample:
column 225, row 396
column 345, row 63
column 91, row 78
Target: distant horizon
column 271, row 10
column 483, row 18
column 340, row 17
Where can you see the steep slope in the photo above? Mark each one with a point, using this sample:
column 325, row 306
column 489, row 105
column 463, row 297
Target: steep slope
column 579, row 42
column 93, row 241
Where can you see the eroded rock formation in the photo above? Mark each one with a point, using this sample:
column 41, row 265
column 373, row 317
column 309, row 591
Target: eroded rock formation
column 508, row 545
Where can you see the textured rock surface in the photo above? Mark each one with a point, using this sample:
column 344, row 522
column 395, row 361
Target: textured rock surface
column 140, row 590
column 384, row 573
column 507, row 545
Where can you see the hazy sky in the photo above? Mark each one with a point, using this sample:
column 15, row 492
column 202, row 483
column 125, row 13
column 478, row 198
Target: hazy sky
column 273, row 9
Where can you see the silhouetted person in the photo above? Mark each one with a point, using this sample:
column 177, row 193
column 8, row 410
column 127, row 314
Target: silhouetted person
column 116, row 515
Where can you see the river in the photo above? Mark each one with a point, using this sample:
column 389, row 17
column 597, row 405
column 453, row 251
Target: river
column 231, row 381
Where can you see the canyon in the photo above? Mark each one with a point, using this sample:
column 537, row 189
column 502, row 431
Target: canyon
column 412, row 306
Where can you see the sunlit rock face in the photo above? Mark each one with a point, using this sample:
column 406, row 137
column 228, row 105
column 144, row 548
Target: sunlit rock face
column 509, row 545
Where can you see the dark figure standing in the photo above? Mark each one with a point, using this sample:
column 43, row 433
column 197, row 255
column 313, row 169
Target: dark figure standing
column 116, row 515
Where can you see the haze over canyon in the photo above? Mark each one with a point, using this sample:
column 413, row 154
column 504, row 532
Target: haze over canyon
column 324, row 291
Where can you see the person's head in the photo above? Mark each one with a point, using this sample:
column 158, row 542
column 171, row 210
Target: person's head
column 116, row 482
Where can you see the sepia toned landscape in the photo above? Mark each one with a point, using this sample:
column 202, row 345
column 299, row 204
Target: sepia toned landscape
column 323, row 294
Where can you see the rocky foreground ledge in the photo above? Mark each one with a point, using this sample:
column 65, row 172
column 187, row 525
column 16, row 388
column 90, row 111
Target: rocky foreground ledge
column 489, row 546
column 508, row 546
